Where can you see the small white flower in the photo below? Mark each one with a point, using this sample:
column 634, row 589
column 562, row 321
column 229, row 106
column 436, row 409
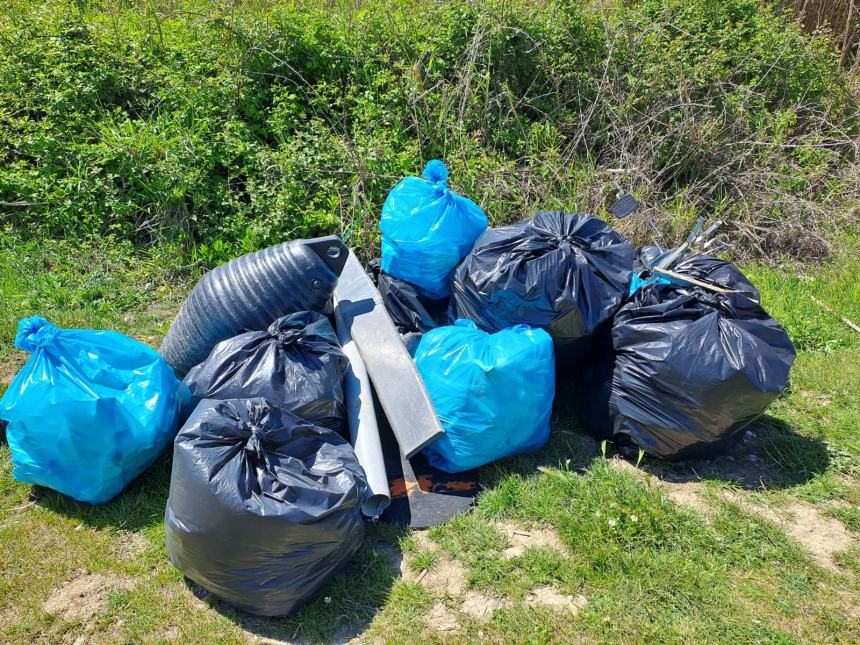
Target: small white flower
column 611, row 522
column 633, row 518
column 327, row 600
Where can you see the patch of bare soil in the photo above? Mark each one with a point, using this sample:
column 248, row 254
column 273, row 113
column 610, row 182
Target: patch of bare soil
column 520, row 539
column 684, row 493
column 84, row 597
column 687, row 494
column 849, row 602
column 129, row 545
column 549, row 596
column 821, row 536
column 441, row 619
column 481, row 607
column 447, row 576
column 10, row 367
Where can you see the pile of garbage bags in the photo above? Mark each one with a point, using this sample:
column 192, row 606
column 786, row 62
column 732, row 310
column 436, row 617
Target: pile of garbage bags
column 669, row 352
column 657, row 363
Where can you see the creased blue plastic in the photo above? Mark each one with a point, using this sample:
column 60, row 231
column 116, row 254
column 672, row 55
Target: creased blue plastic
column 493, row 392
column 89, row 411
column 427, row 230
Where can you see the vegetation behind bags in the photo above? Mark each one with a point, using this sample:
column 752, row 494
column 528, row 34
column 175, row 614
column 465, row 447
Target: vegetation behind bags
column 221, row 131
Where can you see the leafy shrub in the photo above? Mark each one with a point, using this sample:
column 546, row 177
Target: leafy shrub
column 227, row 129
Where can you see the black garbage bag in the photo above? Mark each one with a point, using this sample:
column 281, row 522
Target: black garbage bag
column 411, row 312
column 682, row 370
column 264, row 507
column 563, row 273
column 296, row 363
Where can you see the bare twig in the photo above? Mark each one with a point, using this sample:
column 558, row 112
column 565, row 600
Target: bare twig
column 838, row 315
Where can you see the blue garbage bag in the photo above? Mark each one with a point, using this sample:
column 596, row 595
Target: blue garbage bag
column 493, row 392
column 89, row 411
column 427, row 230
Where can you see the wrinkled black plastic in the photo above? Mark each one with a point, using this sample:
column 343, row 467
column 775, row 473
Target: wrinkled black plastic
column 264, row 507
column 248, row 293
column 682, row 370
column 564, row 273
column 297, row 363
column 410, row 311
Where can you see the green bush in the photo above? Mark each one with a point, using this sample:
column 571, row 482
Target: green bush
column 227, row 128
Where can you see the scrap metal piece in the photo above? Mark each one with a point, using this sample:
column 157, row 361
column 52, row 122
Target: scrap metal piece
column 625, row 206
column 393, row 373
column 363, row 429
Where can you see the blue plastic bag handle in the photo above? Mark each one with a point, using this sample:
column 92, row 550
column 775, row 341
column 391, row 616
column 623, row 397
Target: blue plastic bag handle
column 35, row 332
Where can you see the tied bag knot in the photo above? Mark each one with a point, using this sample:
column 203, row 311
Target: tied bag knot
column 436, row 172
column 35, row 332
column 254, row 445
column 287, row 337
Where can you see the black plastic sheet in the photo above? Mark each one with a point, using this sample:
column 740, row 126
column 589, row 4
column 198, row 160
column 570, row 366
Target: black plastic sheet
column 683, row 370
column 296, row 363
column 563, row 273
column 264, row 507
column 410, row 311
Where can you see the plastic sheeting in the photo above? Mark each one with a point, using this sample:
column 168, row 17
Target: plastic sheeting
column 683, row 370
column 563, row 273
column 410, row 312
column 493, row 392
column 427, row 229
column 297, row 363
column 264, row 507
column 89, row 411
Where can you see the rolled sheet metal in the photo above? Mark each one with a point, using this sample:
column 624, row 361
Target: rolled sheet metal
column 401, row 392
column 363, row 429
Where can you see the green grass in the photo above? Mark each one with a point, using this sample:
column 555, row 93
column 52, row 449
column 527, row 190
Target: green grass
column 651, row 569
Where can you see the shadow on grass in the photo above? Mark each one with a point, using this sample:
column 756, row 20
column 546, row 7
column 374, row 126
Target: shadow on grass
column 343, row 609
column 768, row 455
column 569, row 448
column 140, row 506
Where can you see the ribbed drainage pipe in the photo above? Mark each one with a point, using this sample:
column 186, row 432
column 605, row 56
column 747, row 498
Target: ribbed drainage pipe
column 250, row 292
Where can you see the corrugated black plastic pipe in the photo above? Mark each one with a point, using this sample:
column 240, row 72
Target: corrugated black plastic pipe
column 250, row 292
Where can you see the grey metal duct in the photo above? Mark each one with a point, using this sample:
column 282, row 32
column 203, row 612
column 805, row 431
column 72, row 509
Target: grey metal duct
column 395, row 378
